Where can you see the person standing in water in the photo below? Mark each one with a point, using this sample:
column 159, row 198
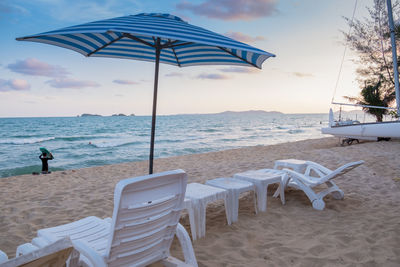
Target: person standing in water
column 44, row 158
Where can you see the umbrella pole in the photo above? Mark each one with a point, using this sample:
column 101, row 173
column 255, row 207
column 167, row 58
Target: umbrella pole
column 153, row 119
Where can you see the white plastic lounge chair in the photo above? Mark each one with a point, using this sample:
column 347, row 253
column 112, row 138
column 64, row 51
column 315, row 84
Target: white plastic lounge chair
column 145, row 219
column 53, row 255
column 316, row 174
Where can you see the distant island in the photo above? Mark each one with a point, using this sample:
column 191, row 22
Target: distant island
column 122, row 115
column 89, row 115
column 228, row 112
column 249, row 112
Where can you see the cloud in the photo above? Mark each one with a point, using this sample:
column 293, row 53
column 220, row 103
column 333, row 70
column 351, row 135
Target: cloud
column 14, row 85
column 243, row 37
column 71, row 83
column 33, row 66
column 302, row 75
column 231, row 9
column 240, row 70
column 125, row 82
column 174, row 74
column 8, row 8
column 63, row 10
column 211, row 76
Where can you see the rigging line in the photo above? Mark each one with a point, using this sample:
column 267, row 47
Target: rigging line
column 344, row 52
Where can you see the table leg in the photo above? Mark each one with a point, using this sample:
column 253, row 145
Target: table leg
column 262, row 198
column 201, row 215
column 230, row 208
column 255, row 200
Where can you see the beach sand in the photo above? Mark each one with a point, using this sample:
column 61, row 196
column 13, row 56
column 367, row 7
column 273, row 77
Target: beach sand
column 363, row 229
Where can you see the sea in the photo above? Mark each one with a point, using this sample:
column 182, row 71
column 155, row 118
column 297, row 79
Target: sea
column 79, row 142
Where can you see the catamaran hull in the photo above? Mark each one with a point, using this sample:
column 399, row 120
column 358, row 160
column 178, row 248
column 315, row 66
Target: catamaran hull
column 365, row 131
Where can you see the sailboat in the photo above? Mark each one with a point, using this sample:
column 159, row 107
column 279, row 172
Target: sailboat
column 353, row 130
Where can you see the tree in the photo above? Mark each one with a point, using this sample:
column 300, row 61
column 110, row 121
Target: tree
column 371, row 95
column 370, row 39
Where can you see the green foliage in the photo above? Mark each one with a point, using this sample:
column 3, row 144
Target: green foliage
column 393, row 114
column 371, row 96
column 370, row 39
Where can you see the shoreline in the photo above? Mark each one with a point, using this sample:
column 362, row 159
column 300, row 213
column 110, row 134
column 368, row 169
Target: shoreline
column 59, row 169
column 361, row 229
column 140, row 162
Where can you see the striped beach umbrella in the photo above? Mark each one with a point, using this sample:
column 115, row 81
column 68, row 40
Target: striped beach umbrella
column 160, row 38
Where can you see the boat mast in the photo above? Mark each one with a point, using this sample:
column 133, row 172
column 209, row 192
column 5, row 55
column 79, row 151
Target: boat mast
column 394, row 55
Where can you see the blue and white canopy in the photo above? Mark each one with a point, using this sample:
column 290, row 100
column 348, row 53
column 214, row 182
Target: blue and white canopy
column 135, row 37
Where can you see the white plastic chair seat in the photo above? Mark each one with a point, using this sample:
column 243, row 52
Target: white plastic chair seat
column 93, row 231
column 54, row 254
column 234, row 187
column 196, row 199
column 261, row 180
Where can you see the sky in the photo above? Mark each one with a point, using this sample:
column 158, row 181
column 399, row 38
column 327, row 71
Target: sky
column 40, row 80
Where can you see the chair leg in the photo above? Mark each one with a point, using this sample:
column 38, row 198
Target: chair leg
column 318, row 204
column 3, row 257
column 312, row 196
column 186, row 245
column 336, row 192
column 339, row 194
column 193, row 222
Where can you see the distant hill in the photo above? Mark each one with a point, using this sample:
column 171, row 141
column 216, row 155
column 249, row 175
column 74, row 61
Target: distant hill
column 250, row 112
column 89, row 115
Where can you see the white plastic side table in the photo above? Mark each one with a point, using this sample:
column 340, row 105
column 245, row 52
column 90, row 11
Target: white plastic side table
column 196, row 199
column 234, row 187
column 262, row 179
column 294, row 164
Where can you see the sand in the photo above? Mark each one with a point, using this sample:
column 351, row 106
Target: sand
column 363, row 229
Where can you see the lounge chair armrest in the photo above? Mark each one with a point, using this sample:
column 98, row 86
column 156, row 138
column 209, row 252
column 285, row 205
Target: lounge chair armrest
column 40, row 242
column 25, row 249
column 318, row 168
column 186, row 245
column 302, row 178
column 108, row 219
column 89, row 253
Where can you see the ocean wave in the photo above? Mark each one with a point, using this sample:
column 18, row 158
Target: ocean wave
column 247, row 129
column 209, row 130
column 295, row 131
column 91, row 137
column 168, row 141
column 25, row 141
column 75, row 138
column 229, row 139
column 114, row 143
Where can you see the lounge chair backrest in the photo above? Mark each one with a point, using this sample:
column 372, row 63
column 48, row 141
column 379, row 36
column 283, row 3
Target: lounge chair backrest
column 342, row 170
column 146, row 213
column 54, row 255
